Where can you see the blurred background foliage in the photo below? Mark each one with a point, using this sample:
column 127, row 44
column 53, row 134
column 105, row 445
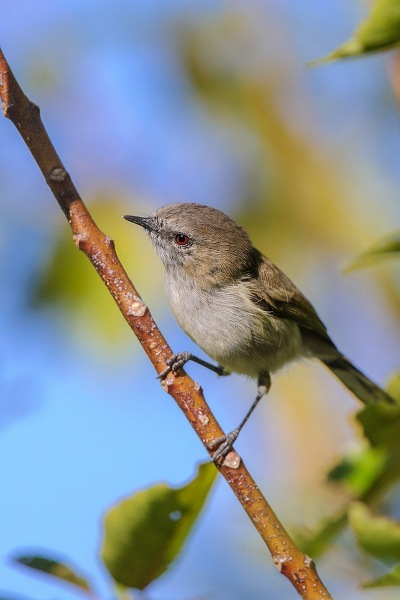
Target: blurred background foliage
column 150, row 103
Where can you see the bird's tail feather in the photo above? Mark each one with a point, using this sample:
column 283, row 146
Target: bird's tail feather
column 359, row 384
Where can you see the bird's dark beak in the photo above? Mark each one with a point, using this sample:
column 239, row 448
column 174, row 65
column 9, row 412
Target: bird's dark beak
column 145, row 222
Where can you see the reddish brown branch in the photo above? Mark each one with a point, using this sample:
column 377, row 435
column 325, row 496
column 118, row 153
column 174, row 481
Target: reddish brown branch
column 25, row 115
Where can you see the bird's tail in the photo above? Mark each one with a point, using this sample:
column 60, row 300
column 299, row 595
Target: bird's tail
column 366, row 390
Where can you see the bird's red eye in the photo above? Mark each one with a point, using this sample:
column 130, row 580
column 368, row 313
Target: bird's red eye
column 182, row 239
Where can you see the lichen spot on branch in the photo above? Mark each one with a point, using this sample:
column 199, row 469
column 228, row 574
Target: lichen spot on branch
column 58, row 174
column 137, row 308
column 79, row 240
column 98, row 261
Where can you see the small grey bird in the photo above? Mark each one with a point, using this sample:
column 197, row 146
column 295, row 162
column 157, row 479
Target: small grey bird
column 241, row 309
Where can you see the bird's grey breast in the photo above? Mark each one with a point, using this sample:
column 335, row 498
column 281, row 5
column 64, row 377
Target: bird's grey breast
column 230, row 328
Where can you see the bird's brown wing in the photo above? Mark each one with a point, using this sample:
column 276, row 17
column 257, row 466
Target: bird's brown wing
column 275, row 293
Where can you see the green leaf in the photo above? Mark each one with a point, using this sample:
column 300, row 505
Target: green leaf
column 366, row 472
column 393, row 387
column 145, row 532
column 378, row 536
column 70, row 284
column 388, row 245
column 359, row 470
column 314, row 543
column 390, row 579
column 379, row 31
column 55, row 568
column 381, row 425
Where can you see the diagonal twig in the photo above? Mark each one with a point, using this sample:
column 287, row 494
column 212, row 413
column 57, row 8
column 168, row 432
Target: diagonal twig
column 100, row 250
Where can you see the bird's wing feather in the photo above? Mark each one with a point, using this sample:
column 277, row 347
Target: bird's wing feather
column 275, row 293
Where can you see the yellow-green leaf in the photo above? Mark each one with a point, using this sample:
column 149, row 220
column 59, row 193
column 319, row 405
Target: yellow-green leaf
column 68, row 281
column 381, row 425
column 378, row 536
column 393, row 387
column 390, row 579
column 388, row 245
column 55, row 568
column 145, row 532
column 315, row 542
column 359, row 470
column 379, row 31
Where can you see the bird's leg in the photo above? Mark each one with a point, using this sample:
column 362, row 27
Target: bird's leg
column 177, row 361
column 224, row 443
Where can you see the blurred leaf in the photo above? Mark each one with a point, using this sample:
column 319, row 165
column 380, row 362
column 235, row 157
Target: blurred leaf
column 388, row 245
column 284, row 169
column 69, row 281
column 381, row 426
column 55, row 568
column 381, row 422
column 365, row 473
column 314, row 543
column 378, row 536
column 359, row 470
column 390, row 579
column 144, row 533
column 379, row 31
column 393, row 387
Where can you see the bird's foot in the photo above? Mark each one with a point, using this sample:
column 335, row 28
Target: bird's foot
column 175, row 362
column 224, row 445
